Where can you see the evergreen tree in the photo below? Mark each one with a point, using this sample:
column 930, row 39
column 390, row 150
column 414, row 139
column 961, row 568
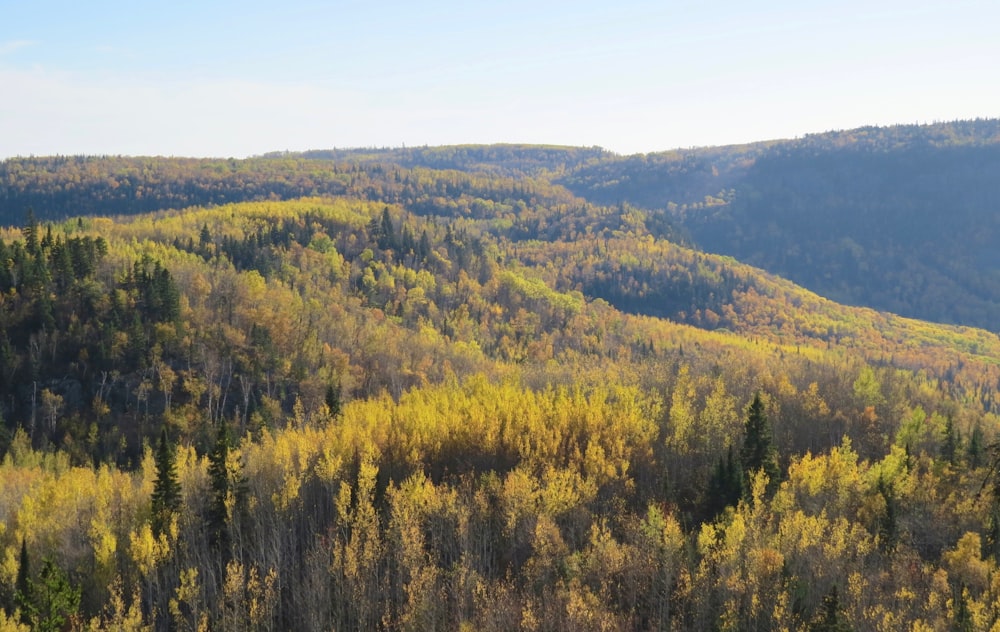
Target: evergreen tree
column 424, row 247
column 992, row 545
column 55, row 600
column 974, row 452
column 387, row 233
column 30, row 232
column 888, row 523
column 218, row 471
column 204, row 239
column 22, row 586
column 726, row 486
column 758, row 451
column 228, row 501
column 332, row 399
column 949, row 443
column 166, row 488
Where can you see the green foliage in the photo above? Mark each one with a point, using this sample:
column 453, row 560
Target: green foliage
column 23, row 595
column 53, row 601
column 166, row 498
column 218, row 518
column 727, row 485
column 758, row 453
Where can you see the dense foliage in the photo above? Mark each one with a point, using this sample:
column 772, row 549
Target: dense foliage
column 465, row 400
column 902, row 219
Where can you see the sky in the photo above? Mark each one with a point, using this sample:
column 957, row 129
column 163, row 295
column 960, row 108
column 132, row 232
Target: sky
column 234, row 79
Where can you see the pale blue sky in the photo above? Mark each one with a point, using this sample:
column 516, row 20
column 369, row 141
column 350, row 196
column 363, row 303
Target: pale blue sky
column 241, row 78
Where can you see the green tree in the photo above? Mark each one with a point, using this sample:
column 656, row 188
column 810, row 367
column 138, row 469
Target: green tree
column 726, row 486
column 888, row 523
column 166, row 488
column 868, row 389
column 204, row 238
column 54, row 600
column 30, row 232
column 228, row 499
column 218, row 471
column 332, row 398
column 949, row 441
column 22, row 586
column 758, row 453
column 974, row 451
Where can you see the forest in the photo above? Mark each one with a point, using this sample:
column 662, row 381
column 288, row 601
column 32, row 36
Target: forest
column 900, row 219
column 442, row 389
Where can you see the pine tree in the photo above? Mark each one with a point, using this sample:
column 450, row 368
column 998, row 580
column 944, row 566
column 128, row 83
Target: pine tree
column 229, row 500
column 387, row 233
column 949, row 443
column 218, row 471
column 758, row 451
column 56, row 601
column 332, row 399
column 204, row 239
column 166, row 488
column 30, row 232
column 888, row 524
column 726, row 486
column 974, row 452
column 424, row 247
column 22, row 586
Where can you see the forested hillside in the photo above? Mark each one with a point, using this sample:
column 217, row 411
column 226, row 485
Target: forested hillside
column 463, row 398
column 902, row 219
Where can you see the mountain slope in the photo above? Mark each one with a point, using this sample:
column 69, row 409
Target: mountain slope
column 903, row 219
column 470, row 400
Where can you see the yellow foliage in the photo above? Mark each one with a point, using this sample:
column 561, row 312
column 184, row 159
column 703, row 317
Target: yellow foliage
column 146, row 550
column 966, row 564
column 11, row 623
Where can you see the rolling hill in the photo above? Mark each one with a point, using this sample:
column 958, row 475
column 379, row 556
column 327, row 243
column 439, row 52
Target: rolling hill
column 499, row 388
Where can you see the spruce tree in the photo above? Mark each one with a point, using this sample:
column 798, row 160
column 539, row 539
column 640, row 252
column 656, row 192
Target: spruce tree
column 888, row 524
column 974, row 452
column 218, row 471
column 387, row 233
column 725, row 487
column 22, row 586
column 949, row 442
column 229, row 495
column 56, row 600
column 333, row 398
column 166, row 488
column 758, row 451
column 30, row 233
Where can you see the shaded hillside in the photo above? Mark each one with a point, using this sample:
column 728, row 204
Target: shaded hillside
column 903, row 219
